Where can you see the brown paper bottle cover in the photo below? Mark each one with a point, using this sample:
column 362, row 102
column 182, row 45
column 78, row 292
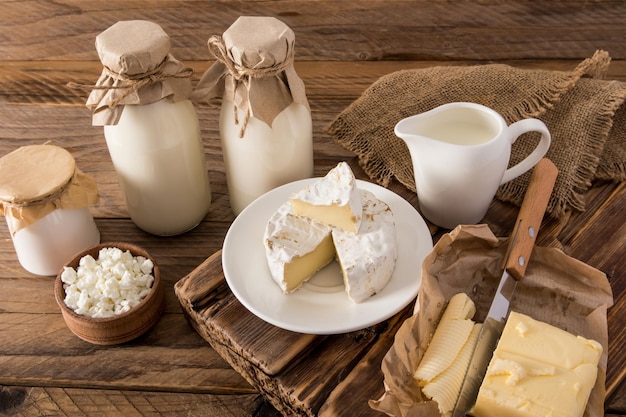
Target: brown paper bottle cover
column 137, row 69
column 254, row 68
column 38, row 179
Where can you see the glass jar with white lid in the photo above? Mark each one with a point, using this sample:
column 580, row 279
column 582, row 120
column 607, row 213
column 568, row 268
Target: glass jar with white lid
column 45, row 199
column 265, row 121
column 151, row 128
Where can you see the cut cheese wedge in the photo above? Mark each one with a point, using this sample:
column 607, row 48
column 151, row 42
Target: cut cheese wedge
column 367, row 258
column 333, row 200
column 296, row 248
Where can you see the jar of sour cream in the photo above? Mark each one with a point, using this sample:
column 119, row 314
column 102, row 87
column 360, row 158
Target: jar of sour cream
column 265, row 120
column 151, row 128
column 45, row 199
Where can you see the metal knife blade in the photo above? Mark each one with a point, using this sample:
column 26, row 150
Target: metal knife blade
column 521, row 243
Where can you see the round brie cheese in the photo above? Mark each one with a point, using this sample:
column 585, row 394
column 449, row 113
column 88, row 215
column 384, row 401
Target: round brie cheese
column 296, row 247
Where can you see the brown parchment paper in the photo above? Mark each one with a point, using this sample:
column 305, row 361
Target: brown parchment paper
column 557, row 289
column 137, row 69
column 81, row 192
column 35, row 180
column 253, row 69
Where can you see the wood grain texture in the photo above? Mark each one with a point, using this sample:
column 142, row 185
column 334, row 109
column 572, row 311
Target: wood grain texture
column 300, row 374
column 332, row 30
column 50, row 401
column 342, row 47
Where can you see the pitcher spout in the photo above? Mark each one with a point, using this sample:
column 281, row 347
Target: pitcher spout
column 417, row 133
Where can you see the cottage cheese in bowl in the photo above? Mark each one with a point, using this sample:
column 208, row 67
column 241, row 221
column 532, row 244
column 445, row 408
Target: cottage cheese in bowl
column 112, row 284
column 110, row 293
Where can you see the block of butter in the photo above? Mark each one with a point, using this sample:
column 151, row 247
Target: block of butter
column 538, row 370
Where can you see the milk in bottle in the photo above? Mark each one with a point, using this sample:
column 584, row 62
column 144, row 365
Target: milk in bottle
column 265, row 120
column 151, row 128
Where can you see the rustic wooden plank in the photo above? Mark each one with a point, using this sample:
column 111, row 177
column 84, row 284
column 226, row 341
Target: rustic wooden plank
column 332, row 30
column 616, row 405
column 42, row 351
column 265, row 346
column 22, row 401
column 365, row 378
column 302, row 388
column 295, row 371
column 598, row 237
column 205, row 298
column 616, row 371
column 334, row 84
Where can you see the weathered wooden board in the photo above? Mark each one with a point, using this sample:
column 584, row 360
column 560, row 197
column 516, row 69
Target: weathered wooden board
column 297, row 372
column 59, row 401
column 355, row 30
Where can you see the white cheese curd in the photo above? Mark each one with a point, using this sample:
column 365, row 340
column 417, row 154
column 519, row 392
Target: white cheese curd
column 110, row 285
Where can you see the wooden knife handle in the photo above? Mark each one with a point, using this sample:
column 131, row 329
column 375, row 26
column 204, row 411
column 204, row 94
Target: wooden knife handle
column 529, row 218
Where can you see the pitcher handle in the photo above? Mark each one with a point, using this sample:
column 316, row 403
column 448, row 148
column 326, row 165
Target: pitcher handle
column 516, row 130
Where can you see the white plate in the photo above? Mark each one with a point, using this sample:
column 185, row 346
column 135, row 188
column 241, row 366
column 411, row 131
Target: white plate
column 321, row 305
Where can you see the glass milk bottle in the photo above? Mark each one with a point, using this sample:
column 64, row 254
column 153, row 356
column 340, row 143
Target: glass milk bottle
column 45, row 199
column 265, row 120
column 151, row 128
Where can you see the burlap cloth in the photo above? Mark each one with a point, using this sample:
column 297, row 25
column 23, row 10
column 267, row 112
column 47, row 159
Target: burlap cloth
column 585, row 114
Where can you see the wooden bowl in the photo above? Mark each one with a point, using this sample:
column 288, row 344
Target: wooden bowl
column 119, row 328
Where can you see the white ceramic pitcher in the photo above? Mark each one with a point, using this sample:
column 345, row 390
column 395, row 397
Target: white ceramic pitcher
column 460, row 154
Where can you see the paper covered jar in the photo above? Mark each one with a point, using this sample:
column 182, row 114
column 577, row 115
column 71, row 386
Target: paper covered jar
column 45, row 199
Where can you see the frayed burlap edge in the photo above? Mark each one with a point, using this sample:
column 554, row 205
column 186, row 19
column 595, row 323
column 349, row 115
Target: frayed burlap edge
column 613, row 160
column 536, row 105
column 593, row 158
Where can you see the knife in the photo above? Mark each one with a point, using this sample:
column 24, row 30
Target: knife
column 516, row 259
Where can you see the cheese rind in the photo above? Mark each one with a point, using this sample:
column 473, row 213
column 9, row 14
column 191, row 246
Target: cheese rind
column 333, row 200
column 295, row 248
column 367, row 258
column 538, row 370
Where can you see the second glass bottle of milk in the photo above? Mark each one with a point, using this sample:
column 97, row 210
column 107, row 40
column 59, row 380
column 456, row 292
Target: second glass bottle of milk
column 151, row 128
column 265, row 120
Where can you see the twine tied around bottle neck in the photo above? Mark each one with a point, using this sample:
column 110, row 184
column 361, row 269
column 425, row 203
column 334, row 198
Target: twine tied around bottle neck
column 132, row 83
column 241, row 74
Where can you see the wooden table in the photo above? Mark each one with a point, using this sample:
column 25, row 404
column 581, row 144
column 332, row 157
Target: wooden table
column 342, row 47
